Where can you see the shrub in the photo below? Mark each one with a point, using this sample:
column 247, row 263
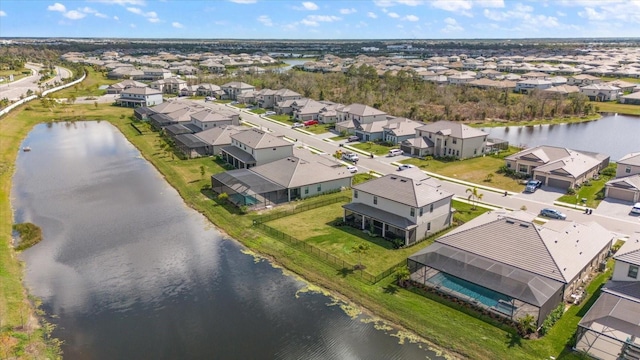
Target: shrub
column 553, row 317
column 571, row 191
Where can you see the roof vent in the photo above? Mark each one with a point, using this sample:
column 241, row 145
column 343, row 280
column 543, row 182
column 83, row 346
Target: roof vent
column 394, row 178
column 510, row 222
column 524, row 225
column 556, row 241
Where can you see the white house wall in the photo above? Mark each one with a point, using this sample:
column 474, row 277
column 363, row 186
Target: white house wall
column 268, row 155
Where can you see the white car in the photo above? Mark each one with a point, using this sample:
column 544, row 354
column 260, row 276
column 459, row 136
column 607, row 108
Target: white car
column 209, row 98
column 270, row 113
column 405, row 167
column 635, row 209
column 297, row 125
column 352, row 169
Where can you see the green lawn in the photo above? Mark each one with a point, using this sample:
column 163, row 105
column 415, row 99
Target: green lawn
column 89, row 87
column 319, row 128
column 282, row 118
column 614, row 107
column 475, row 170
column 17, row 74
column 377, row 149
column 257, row 111
column 594, row 193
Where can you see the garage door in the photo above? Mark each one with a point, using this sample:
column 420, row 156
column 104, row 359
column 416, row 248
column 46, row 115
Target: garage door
column 541, row 178
column 620, row 194
column 557, row 183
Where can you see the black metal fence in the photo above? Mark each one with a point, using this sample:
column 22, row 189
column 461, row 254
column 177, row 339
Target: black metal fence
column 328, row 258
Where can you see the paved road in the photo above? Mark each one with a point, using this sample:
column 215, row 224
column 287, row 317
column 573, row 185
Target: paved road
column 12, row 91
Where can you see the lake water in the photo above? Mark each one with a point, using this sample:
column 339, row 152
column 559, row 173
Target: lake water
column 127, row 271
column 614, row 135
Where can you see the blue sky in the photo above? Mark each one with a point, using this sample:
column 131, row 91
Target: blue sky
column 284, row 19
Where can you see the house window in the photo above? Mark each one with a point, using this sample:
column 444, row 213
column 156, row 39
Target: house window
column 428, row 226
column 319, row 187
column 306, row 189
column 455, row 141
column 522, row 168
column 431, row 208
column 508, row 165
column 627, row 170
column 355, row 194
column 475, row 151
column 413, row 212
column 375, row 200
column 421, row 209
column 457, row 152
column 633, row 272
column 445, row 143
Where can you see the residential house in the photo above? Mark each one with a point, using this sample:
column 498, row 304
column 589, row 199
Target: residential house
column 583, row 80
column 505, row 263
column 556, row 166
column 139, row 97
column 255, row 147
column 123, row 85
column 233, row 89
column 446, row 138
column 625, row 86
column 169, row 85
column 191, row 146
column 529, row 85
column 632, row 99
column 610, row 330
column 207, row 89
column 270, row 98
column 561, row 91
column 284, row 180
column 218, row 137
column 626, row 185
column 405, row 207
column 600, row 92
column 209, row 118
column 398, row 129
column 155, row 74
column 349, row 117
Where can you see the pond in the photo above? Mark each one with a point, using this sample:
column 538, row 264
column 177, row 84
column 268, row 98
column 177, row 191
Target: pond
column 614, row 135
column 127, row 270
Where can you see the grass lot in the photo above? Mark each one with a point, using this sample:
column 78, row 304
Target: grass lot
column 561, row 120
column 257, row 111
column 17, row 74
column 282, row 118
column 89, row 87
column 319, row 128
column 627, row 79
column 377, row 149
column 475, row 170
column 446, row 325
column 613, row 107
column 594, row 193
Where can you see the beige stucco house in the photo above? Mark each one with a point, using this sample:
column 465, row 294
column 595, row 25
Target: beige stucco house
column 626, row 185
column 255, row 147
column 446, row 138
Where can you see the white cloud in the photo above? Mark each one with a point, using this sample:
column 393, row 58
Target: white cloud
column 372, row 15
column 393, row 15
column 88, row 10
column 347, row 11
column 592, row 14
column 244, row 1
column 135, row 10
column 524, row 15
column 57, row 7
column 152, row 16
column 265, row 20
column 177, row 25
column 489, row 3
column 132, row 25
column 411, row 18
column 2, row 13
column 390, row 3
column 452, row 5
column 154, row 20
column 74, row 15
column 560, row 13
column 323, row 18
column 452, row 26
column 116, row 18
column 308, row 5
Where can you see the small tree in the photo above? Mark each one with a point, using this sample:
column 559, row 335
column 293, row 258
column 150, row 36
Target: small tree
column 526, row 325
column 360, row 249
column 474, row 196
column 223, row 196
column 402, row 276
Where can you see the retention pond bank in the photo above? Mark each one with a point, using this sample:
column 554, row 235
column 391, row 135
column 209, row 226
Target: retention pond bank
column 126, row 270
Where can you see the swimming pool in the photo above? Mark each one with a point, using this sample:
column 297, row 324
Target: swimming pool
column 483, row 295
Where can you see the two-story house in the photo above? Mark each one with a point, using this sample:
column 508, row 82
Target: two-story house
column 557, row 167
column 527, row 86
column 399, row 129
column 139, row 96
column 168, row 86
column 583, row 80
column 446, row 138
column 233, row 89
column 255, row 147
column 406, row 207
column 268, row 98
column 601, row 92
column 209, row 118
column 610, row 330
column 626, row 185
column 349, row 117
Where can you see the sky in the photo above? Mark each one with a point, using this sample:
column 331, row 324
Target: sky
column 326, row 19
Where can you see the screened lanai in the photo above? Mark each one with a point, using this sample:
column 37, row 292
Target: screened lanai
column 246, row 188
column 503, row 289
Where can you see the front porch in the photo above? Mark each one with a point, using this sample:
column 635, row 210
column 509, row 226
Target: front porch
column 381, row 223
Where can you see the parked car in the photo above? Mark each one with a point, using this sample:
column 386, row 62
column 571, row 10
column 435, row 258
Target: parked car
column 635, row 209
column 350, row 156
column 395, row 152
column 553, row 213
column 270, row 113
column 405, row 167
column 297, row 125
column 353, row 138
column 310, row 122
column 532, row 185
column 352, row 169
column 209, row 98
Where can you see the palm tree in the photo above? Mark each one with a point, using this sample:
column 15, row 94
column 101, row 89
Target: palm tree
column 474, row 196
column 402, row 275
column 360, row 249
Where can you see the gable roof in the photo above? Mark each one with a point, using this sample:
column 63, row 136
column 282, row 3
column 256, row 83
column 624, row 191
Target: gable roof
column 629, row 252
column 141, row 91
column 360, row 110
column 219, row 135
column 258, row 139
column 453, row 129
column 209, row 115
column 627, row 182
column 401, row 126
column 294, row 172
column 411, row 189
column 630, row 159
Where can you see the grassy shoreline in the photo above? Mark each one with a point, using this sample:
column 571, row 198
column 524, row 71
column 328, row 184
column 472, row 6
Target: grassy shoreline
column 445, row 325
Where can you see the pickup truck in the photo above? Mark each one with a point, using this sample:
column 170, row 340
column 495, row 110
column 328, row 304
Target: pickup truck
column 350, row 156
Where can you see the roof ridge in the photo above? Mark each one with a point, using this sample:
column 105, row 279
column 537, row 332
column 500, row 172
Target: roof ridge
column 550, row 254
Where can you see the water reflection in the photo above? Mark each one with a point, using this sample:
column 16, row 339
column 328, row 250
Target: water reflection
column 612, row 135
column 130, row 272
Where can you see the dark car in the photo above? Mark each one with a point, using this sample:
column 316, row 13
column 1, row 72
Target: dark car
column 532, row 185
column 553, row 213
column 353, row 138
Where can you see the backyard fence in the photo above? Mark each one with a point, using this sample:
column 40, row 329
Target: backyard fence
column 328, row 258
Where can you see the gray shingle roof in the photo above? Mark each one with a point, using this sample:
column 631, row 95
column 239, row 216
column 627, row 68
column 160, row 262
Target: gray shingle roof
column 361, row 110
column 405, row 189
column 453, row 129
column 630, row 159
column 258, row 139
column 295, row 172
column 630, row 250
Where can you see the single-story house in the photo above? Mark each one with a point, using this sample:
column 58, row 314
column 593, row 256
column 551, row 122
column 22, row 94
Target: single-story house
column 556, row 166
column 117, row 88
column 399, row 129
column 633, row 98
column 626, row 185
column 504, row 263
column 610, row 330
column 601, row 92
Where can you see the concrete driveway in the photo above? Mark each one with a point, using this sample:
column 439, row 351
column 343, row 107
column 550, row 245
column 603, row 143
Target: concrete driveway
column 545, row 194
column 616, row 208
